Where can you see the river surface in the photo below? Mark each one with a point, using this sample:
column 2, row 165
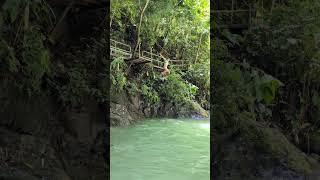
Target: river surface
column 162, row 149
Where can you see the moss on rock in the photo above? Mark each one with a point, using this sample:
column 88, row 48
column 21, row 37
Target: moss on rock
column 274, row 144
column 315, row 143
column 191, row 108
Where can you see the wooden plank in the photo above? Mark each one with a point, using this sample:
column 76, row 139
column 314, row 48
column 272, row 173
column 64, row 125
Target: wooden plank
column 138, row 61
column 176, row 60
column 146, row 59
column 158, row 67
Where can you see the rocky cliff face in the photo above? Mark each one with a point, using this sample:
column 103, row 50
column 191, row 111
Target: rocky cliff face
column 127, row 109
column 40, row 140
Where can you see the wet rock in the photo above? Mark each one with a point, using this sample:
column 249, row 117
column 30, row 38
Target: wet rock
column 191, row 109
column 119, row 115
column 28, row 157
column 32, row 157
column 147, row 111
column 127, row 109
column 8, row 173
column 84, row 161
column 84, row 123
column 169, row 110
column 251, row 150
column 32, row 115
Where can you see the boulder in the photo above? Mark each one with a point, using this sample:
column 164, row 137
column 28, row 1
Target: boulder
column 119, row 115
column 246, row 148
column 191, row 109
column 9, row 173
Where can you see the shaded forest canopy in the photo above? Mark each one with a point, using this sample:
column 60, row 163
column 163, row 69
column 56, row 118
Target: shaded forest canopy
column 54, row 89
column 39, row 42
column 269, row 72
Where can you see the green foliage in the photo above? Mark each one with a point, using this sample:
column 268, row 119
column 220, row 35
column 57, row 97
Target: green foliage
column 234, row 39
column 175, row 89
column 121, row 8
column 220, row 48
column 76, row 90
column 268, row 86
column 182, row 30
column 179, row 26
column 10, row 63
column 22, row 41
column 118, row 76
column 271, row 73
column 259, row 85
column 286, row 46
column 25, row 56
column 240, row 89
column 199, row 75
column 35, row 57
column 132, row 88
column 150, row 94
column 172, row 89
column 13, row 8
column 83, row 76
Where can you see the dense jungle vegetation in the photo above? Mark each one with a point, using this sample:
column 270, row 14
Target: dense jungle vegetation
column 35, row 59
column 269, row 72
column 41, row 56
column 53, row 80
column 180, row 30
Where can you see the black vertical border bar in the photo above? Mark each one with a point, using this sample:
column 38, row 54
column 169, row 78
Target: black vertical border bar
column 107, row 80
column 212, row 157
column 211, row 93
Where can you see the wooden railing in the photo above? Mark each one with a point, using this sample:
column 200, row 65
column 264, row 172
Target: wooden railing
column 240, row 18
column 120, row 49
column 178, row 63
column 153, row 58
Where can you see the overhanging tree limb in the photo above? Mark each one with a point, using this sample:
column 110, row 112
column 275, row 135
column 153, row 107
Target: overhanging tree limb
column 139, row 27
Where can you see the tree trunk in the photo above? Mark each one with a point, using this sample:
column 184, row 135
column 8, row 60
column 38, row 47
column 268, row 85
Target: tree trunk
column 198, row 49
column 111, row 21
column 139, row 27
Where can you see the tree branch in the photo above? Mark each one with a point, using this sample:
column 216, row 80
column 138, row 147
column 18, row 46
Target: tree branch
column 139, row 27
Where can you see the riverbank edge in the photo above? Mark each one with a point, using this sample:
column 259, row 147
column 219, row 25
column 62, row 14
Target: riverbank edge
column 127, row 109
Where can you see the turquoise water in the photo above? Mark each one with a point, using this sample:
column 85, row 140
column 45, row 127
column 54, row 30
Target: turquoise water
column 165, row 149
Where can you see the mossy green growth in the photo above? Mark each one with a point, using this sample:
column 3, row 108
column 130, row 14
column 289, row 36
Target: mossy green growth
column 197, row 108
column 277, row 145
column 274, row 144
column 315, row 142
